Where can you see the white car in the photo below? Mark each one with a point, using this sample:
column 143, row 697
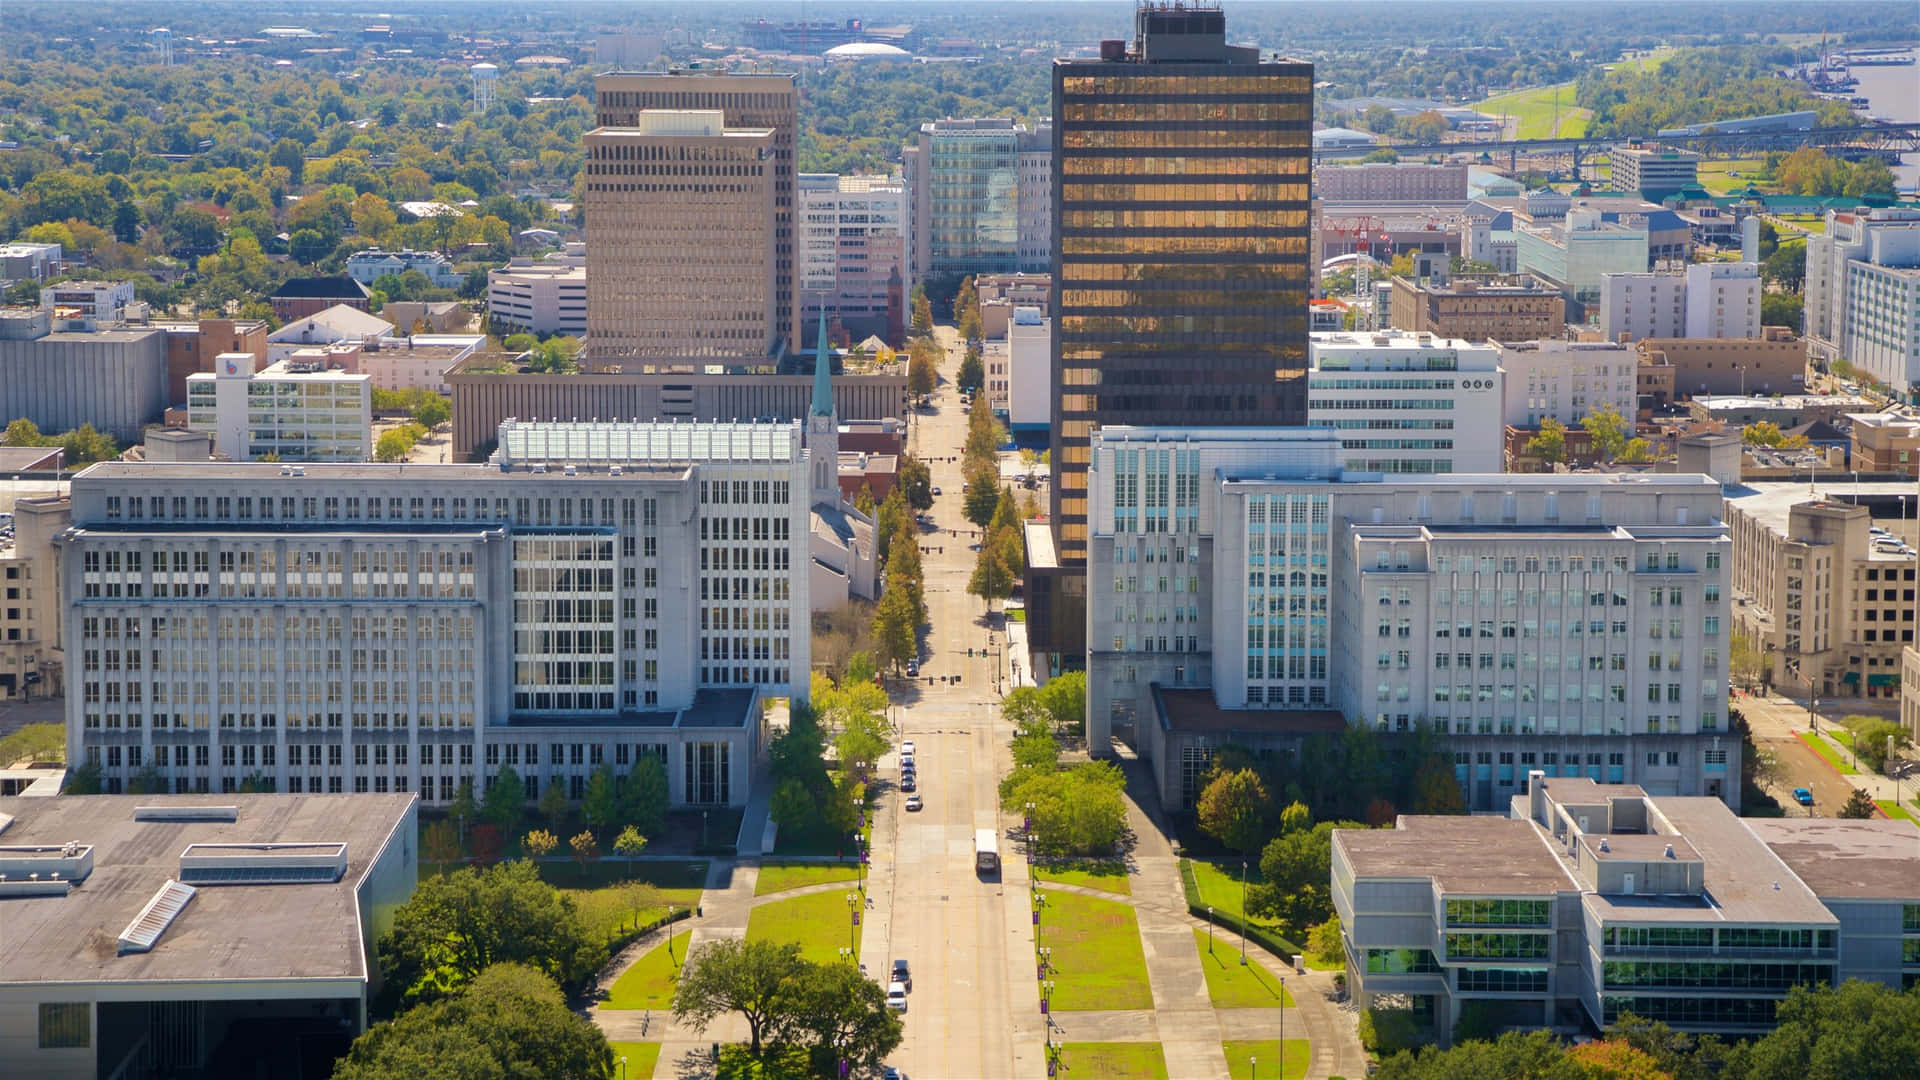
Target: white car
column 897, row 997
column 913, row 802
column 906, row 749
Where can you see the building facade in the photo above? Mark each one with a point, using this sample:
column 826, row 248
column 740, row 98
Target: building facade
column 115, row 380
column 966, row 202
column 367, row 267
column 1407, row 403
column 299, row 409
column 1771, row 362
column 1882, row 238
column 1570, row 614
column 30, row 615
column 852, row 236
column 1035, row 166
column 1183, row 182
column 1576, row 254
column 1603, row 898
column 1391, row 183
column 1653, row 172
column 195, row 346
column 596, row 593
column 105, row 301
column 1706, row 300
column 683, row 254
column 1029, row 370
column 1567, row 381
column 1881, row 322
column 538, row 299
column 748, row 100
column 1478, row 310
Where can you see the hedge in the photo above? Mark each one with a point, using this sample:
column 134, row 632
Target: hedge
column 1259, row 935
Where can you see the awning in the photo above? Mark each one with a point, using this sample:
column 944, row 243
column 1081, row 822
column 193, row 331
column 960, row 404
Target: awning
column 1851, row 676
column 1888, row 679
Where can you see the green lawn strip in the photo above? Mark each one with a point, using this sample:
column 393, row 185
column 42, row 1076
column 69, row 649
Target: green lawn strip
column 648, row 984
column 1232, row 986
column 1243, row 1056
column 1826, row 751
column 1220, row 886
column 1097, row 959
column 1895, row 810
column 1533, row 110
column 619, row 904
column 779, row 877
column 640, row 1056
column 1114, row 1060
column 1100, row 874
column 819, row 923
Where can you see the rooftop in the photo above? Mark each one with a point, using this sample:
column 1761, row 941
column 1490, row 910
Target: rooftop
column 620, row 442
column 1454, row 852
column 1847, row 860
column 324, row 288
column 1745, row 881
column 226, row 933
column 1196, row 710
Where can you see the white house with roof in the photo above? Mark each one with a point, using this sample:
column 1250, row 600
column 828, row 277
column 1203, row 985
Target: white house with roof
column 336, row 325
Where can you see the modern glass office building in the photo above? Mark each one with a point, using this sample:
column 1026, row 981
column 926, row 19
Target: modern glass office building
column 1180, row 260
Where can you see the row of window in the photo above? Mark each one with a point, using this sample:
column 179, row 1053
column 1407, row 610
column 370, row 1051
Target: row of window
column 521, row 510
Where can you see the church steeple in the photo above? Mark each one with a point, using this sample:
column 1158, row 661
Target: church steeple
column 822, row 371
column 823, row 427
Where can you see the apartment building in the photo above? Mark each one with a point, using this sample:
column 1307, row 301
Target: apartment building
column 538, row 298
column 852, row 236
column 29, row 599
column 301, row 409
column 1407, row 403
column 683, row 249
column 748, row 100
column 104, row 301
column 1475, row 310
column 1868, row 247
column 1244, row 589
column 1373, row 183
column 1705, row 300
column 1592, row 899
column 596, row 592
column 1567, row 381
column 1823, row 582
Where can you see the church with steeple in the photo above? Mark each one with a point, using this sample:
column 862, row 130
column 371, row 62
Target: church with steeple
column 843, row 563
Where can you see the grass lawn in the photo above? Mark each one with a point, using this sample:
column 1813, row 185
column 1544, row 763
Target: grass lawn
column 640, row 1056
column 1895, row 810
column 613, row 903
column 1717, row 176
column 819, row 923
column 1092, row 873
column 648, row 984
column 1242, row 1055
column 779, row 877
column 1825, row 749
column 1232, row 986
column 1535, row 111
column 1220, row 885
column 1114, row 1060
column 1097, row 959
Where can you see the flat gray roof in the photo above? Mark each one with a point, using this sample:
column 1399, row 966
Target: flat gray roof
column 1470, row 856
column 423, row 474
column 226, row 933
column 1848, row 860
column 1745, row 881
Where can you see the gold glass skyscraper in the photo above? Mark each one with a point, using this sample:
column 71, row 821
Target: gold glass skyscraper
column 1182, row 190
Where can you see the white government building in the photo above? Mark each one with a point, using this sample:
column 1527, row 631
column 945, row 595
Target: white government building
column 596, row 592
column 1407, row 403
column 1243, row 588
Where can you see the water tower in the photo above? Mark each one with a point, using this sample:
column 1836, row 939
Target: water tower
column 163, row 45
column 485, row 77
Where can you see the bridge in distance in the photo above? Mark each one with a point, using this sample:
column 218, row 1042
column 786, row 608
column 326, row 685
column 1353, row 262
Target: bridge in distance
column 1888, row 139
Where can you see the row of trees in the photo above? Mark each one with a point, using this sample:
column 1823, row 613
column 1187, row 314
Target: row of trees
column 902, row 607
column 815, row 806
column 1077, row 810
column 1611, row 435
column 1002, row 559
column 83, row 444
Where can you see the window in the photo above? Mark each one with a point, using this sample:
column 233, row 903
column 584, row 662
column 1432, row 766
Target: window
column 66, row 1025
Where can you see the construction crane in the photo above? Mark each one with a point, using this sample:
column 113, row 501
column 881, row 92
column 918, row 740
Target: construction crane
column 1365, row 235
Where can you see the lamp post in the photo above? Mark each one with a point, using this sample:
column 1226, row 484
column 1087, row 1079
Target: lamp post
column 1253, row 1065
column 853, row 920
column 846, row 954
column 623, row 1069
column 670, row 959
column 1209, row 929
column 1243, row 913
column 1046, row 999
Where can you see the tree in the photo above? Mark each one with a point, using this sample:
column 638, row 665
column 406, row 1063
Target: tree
column 441, row 843
column 23, row 432
column 1781, row 309
column 972, row 373
column 432, row 411
column 969, row 324
column 463, row 809
column 922, row 321
column 457, row 925
column 846, row 1014
column 916, row 483
column 643, row 802
column 392, row 445
column 308, row 246
column 1786, row 267
column 1436, row 789
column 511, row 1021
column 992, row 579
column 629, row 844
column 539, row 843
column 553, row 804
column 1427, row 127
column 586, row 849
column 1859, row 806
column 1386, row 155
column 753, row 978
column 1296, row 869
column 1767, row 433
column 505, row 801
column 896, row 626
column 1610, row 431
column 922, row 374
column 1378, row 119
column 982, row 497
column 1876, row 740
column 1858, row 1030
column 1323, row 944
column 1233, row 809
column 1065, row 696
column 1746, row 665
column 601, row 805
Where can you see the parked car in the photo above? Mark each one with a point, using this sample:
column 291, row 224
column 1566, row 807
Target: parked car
column 906, row 749
column 913, row 667
column 891, row 1073
column 1803, row 796
column 936, row 489
column 913, row 803
column 896, row 997
column 902, row 975
column 907, row 782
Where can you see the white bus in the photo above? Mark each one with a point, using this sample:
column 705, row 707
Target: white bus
column 986, row 852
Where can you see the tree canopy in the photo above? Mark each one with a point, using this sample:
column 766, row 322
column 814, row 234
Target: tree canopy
column 509, row 1023
column 458, row 924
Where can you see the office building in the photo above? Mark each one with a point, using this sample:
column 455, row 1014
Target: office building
column 1391, row 183
column 419, row 362
column 1825, row 581
column 1407, row 403
column 100, row 301
column 1705, row 300
column 368, row 267
column 539, row 298
column 1035, row 164
column 1029, row 371
column 1873, row 240
column 1774, row 362
column 754, row 101
column 194, row 347
column 30, row 615
column 1567, row 381
column 1575, row 253
column 166, row 935
column 965, row 204
column 1479, row 310
column 1183, row 175
column 595, row 592
column 301, row 409
column 1653, row 172
column 1884, row 442
column 114, row 379
column 1593, row 899
column 22, row 261
column 852, row 236
column 683, row 250
column 1243, row 589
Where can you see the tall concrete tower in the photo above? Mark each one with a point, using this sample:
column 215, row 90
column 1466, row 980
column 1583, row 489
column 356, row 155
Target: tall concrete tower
column 485, row 77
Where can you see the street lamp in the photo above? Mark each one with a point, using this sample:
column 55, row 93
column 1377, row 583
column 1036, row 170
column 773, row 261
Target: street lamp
column 670, row 959
column 846, row 954
column 853, row 920
column 1209, row 929
column 623, row 1069
column 1046, row 998
column 1253, row 1067
column 1243, row 913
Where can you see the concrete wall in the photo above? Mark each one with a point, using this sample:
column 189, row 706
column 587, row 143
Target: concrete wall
column 115, row 380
